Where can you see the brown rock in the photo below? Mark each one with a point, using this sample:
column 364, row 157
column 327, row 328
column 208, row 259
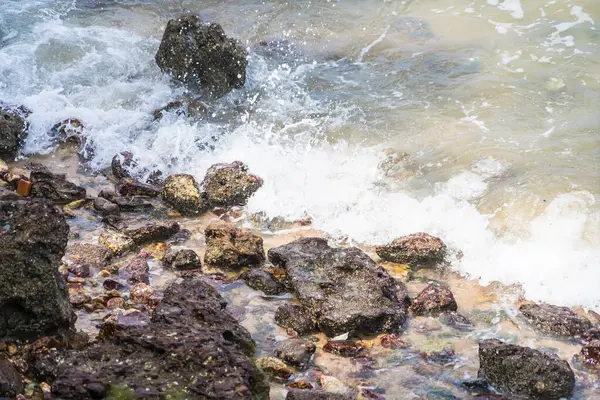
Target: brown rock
column 141, row 293
column 12, row 133
column 555, row 320
column 275, row 368
column 295, row 317
column 590, row 355
column 416, row 250
column 115, row 302
column 55, row 187
column 11, row 381
column 182, row 260
column 121, row 163
column 301, row 394
column 231, row 248
column 88, row 253
column 300, row 384
column 344, row 348
column 78, row 297
column 391, row 341
column 227, row 185
column 260, row 279
column 116, row 242
column 127, row 187
column 80, row 270
column 433, row 300
column 182, row 193
column 105, row 207
column 296, row 352
column 136, row 271
column 152, row 232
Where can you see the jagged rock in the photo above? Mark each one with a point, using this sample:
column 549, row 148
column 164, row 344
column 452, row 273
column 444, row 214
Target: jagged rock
column 182, row 193
column 33, row 295
column 12, row 133
column 9, row 195
column 590, row 355
column 259, row 279
column 231, row 248
column 105, row 207
column 121, row 163
column 201, row 56
column 142, row 293
column 227, row 185
column 88, row 254
column 55, row 187
column 275, row 368
column 152, row 232
column 524, row 371
column 136, row 271
column 116, row 242
column 11, row 381
column 433, row 300
column 302, row 394
column 555, row 320
column 182, row 260
column 343, row 289
column 344, row 348
column 456, row 321
column 80, row 270
column 128, row 187
column 134, row 204
column 296, row 352
column 295, row 317
column 190, row 346
column 416, row 249
column 187, row 107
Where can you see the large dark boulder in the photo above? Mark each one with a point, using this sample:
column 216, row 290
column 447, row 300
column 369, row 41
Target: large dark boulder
column 201, row 56
column 342, row 289
column 524, row 371
column 55, row 187
column 555, row 320
column 12, row 133
column 190, row 348
column 33, row 295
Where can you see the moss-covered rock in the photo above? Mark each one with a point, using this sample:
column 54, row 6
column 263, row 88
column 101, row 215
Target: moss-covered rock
column 182, row 193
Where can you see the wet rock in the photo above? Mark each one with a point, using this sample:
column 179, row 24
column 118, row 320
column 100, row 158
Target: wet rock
column 190, row 345
column 456, row 321
column 152, row 232
column 134, row 204
column 182, row 260
column 436, row 351
column 300, row 394
column 524, row 371
column 78, row 297
column 69, row 131
column 343, row 289
column 476, row 386
column 275, row 368
column 11, row 381
column 332, row 385
column 188, row 107
column 114, row 303
column 80, row 270
column 33, row 295
column 227, row 185
column 296, row 352
column 141, row 293
column 136, row 271
column 121, row 163
column 300, row 384
column 231, row 248
column 105, row 207
column 295, row 317
column 116, row 242
column 55, row 187
column 88, row 254
column 590, row 355
column 391, row 341
column 113, row 284
column 433, row 300
column 108, row 194
column 591, row 335
column 259, row 279
column 9, row 195
column 12, row 134
column 416, row 250
column 368, row 394
column 344, row 348
column 182, row 193
column 555, row 320
column 201, row 56
column 128, row 187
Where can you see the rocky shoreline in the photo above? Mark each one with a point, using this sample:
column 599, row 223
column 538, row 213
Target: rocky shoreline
column 125, row 283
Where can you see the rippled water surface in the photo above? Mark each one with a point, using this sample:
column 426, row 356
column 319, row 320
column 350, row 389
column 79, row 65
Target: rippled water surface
column 475, row 120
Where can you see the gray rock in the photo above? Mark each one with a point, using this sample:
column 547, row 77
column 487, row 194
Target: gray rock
column 524, row 371
column 55, row 187
column 343, row 289
column 11, row 381
column 105, row 207
column 12, row 133
column 416, row 250
column 227, row 185
column 182, row 260
column 555, row 320
column 201, row 56
column 296, row 352
column 87, row 253
column 33, row 295
column 259, row 279
column 295, row 317
column 121, row 163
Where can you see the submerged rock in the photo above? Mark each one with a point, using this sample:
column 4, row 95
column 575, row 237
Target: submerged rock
column 433, row 300
column 136, row 271
column 11, row 381
column 200, row 55
column 524, row 371
column 295, row 317
column 134, row 204
column 296, row 352
column 416, row 249
column 116, row 242
column 55, row 187
column 590, row 355
column 231, row 248
column 343, row 289
column 105, row 207
column 33, row 295
column 344, row 348
column 187, row 107
column 182, row 260
column 259, row 279
column 130, row 187
column 275, row 368
column 190, row 348
column 182, row 193
column 555, row 320
column 302, row 394
column 12, row 134
column 227, row 185
column 89, row 254
column 152, row 232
